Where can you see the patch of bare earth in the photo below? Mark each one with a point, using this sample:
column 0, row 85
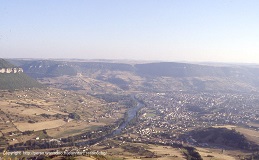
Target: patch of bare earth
column 40, row 125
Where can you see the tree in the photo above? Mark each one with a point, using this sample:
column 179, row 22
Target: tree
column 74, row 116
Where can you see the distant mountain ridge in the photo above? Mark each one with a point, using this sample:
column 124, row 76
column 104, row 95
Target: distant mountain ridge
column 12, row 77
column 50, row 68
column 44, row 68
column 168, row 69
column 172, row 69
column 188, row 76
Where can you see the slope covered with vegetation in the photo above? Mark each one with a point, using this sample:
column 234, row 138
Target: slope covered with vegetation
column 11, row 81
column 223, row 137
column 5, row 64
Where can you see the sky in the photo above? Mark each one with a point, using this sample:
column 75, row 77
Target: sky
column 166, row 30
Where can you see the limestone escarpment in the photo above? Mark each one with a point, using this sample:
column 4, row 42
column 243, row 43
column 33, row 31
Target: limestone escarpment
column 11, row 70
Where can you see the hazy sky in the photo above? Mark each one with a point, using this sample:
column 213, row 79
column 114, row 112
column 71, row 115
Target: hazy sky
column 169, row 30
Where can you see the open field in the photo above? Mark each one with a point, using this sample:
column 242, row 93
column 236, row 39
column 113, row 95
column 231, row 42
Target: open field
column 21, row 138
column 226, row 126
column 84, row 158
column 10, row 129
column 210, row 155
column 118, row 151
column 29, row 111
column 48, row 109
column 251, row 135
column 72, row 128
column 40, row 125
column 254, row 124
column 167, row 152
column 76, row 158
column 38, row 111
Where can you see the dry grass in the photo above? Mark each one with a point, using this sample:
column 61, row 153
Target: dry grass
column 72, row 128
column 251, row 135
column 38, row 111
column 164, row 153
column 226, row 126
column 20, row 106
column 84, row 158
column 214, row 155
column 11, row 129
column 167, row 152
column 40, row 125
column 254, row 124
column 76, row 158
column 21, row 138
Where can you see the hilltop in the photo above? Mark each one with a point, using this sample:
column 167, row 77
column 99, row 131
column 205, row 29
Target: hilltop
column 223, row 137
column 12, row 77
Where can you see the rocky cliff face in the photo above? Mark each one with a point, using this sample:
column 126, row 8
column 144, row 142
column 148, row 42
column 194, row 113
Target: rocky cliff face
column 12, row 77
column 11, row 70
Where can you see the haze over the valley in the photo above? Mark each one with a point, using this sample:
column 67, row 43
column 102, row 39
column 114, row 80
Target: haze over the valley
column 194, row 31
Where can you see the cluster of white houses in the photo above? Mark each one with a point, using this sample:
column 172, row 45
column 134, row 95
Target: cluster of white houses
column 11, row 70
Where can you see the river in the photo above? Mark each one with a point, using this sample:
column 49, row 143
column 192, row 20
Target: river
column 131, row 113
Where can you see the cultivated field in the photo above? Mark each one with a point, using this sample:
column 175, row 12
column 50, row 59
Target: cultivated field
column 38, row 111
column 72, row 128
column 40, row 125
column 10, row 129
column 49, row 108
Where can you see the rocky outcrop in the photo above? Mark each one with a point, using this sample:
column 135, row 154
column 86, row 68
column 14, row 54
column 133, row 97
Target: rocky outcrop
column 11, row 70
